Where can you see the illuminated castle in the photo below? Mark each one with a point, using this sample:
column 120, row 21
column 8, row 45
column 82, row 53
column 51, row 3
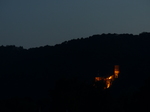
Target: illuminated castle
column 107, row 80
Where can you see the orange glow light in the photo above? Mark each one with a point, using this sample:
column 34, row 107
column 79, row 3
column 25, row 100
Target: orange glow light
column 108, row 83
column 108, row 80
column 98, row 79
column 110, row 77
column 116, row 71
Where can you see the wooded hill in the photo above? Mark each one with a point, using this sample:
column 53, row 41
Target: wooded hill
column 34, row 71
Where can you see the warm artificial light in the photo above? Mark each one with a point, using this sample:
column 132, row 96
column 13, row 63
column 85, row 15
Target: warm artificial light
column 110, row 79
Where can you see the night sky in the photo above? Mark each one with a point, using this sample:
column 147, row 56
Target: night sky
column 34, row 23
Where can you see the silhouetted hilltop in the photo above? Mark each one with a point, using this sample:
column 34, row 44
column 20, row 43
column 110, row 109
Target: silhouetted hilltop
column 32, row 72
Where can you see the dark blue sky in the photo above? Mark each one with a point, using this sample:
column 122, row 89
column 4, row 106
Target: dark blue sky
column 34, row 23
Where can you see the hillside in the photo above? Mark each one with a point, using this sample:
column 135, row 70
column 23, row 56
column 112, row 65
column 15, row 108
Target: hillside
column 34, row 71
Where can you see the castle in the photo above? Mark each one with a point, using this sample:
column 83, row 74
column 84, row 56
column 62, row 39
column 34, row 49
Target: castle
column 107, row 80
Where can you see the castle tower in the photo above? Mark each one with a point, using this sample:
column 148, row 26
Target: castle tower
column 116, row 71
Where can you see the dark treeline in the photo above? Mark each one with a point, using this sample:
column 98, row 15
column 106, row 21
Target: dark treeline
column 46, row 71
